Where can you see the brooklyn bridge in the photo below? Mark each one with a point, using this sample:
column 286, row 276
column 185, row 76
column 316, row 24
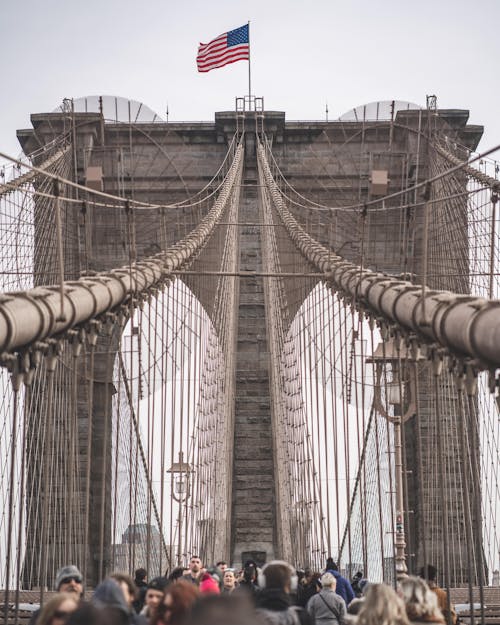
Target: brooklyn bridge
column 250, row 338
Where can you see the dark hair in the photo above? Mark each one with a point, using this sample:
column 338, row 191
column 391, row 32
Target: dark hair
column 315, row 580
column 278, row 575
column 158, row 583
column 250, row 573
column 126, row 579
column 141, row 574
column 331, row 565
column 428, row 572
column 183, row 594
column 176, row 574
column 220, row 562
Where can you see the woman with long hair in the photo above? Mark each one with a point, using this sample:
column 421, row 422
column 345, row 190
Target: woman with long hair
column 382, row 606
column 420, row 602
column 57, row 609
column 178, row 600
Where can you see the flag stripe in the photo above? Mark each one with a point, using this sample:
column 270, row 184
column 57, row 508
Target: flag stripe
column 217, row 55
column 211, row 52
column 221, row 63
column 220, row 41
column 226, row 48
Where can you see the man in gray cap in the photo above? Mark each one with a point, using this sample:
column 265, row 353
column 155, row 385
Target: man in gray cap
column 68, row 579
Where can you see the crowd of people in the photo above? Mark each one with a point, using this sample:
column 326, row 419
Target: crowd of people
column 275, row 594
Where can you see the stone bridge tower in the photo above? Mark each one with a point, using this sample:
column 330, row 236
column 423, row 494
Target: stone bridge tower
column 167, row 162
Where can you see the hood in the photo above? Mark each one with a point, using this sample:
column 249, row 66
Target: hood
column 109, row 595
column 209, row 585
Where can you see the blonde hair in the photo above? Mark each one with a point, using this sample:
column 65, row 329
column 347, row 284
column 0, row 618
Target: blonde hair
column 420, row 600
column 53, row 605
column 382, row 606
column 328, row 580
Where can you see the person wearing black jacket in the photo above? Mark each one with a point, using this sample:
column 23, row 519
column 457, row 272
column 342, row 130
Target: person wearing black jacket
column 274, row 603
column 248, row 584
column 140, row 580
column 308, row 588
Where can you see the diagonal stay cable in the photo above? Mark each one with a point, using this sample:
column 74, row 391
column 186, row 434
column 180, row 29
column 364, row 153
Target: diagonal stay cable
column 466, row 325
column 141, row 451
column 42, row 170
column 12, row 185
column 30, row 316
column 358, row 478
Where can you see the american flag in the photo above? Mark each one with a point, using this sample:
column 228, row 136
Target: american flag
column 226, row 48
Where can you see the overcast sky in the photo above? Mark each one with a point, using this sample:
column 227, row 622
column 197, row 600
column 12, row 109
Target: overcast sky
column 303, row 54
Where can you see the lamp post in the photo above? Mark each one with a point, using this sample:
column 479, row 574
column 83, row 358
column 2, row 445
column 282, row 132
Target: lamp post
column 181, row 475
column 389, row 363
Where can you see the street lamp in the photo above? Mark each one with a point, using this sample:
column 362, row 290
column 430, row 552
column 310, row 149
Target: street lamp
column 392, row 376
column 389, row 359
column 181, row 475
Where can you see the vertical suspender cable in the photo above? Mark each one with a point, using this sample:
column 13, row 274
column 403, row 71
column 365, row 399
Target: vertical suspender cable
column 117, row 455
column 391, row 467
column 92, row 339
column 22, row 487
column 51, row 365
column 16, row 381
column 163, row 418
column 60, row 253
column 104, row 477
column 443, row 495
column 420, row 464
column 150, row 416
column 476, row 482
column 464, row 465
column 494, row 201
column 326, row 329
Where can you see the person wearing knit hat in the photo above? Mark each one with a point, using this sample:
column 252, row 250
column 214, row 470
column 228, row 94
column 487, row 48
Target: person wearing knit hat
column 208, row 585
column 68, row 580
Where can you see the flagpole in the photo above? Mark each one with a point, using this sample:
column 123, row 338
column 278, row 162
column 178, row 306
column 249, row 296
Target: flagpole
column 249, row 75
